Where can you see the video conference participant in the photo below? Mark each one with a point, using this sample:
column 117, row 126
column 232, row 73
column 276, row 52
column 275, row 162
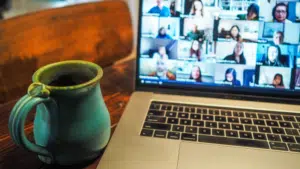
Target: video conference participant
column 252, row 13
column 197, row 8
column 195, row 50
column 297, row 79
column 235, row 33
column 195, row 34
column 160, row 9
column 278, row 37
column 162, row 34
column 161, row 54
column 173, row 11
column 273, row 57
column 162, row 71
column 238, row 54
column 230, row 76
column 280, row 13
column 278, row 81
column 196, row 74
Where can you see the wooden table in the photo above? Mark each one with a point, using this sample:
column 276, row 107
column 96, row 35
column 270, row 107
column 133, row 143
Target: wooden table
column 117, row 85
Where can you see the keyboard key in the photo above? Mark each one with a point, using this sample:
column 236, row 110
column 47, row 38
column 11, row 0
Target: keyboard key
column 288, row 139
column 238, row 114
column 191, row 129
column 294, row 147
column 263, row 116
column 185, row 122
column 171, row 114
column 183, row 115
column 156, row 113
column 276, row 117
column 156, row 119
column 172, row 121
column 224, row 125
column 259, row 136
column 226, row 113
column 160, row 134
column 206, row 131
column 237, row 127
column 250, row 128
column 264, row 129
column 233, row 141
column 195, row 116
column 189, row 137
column 154, row 106
column 230, row 133
column 180, row 109
column 278, row 131
column 193, row 110
column 296, row 125
column 246, row 121
column 272, row 123
column 211, row 124
column 157, row 126
column 220, row 118
column 218, row 132
column 273, row 137
column 247, row 135
column 289, row 118
column 178, row 128
column 285, row 124
column 278, row 146
column 233, row 120
column 187, row 109
column 293, row 132
column 259, row 122
column 198, row 123
column 202, row 110
column 298, row 118
column 208, row 117
column 251, row 115
column 147, row 132
column 298, row 139
column 214, row 111
column 173, row 135
column 166, row 107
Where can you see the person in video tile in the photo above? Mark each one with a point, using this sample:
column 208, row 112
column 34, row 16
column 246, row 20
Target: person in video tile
column 273, row 55
column 161, row 54
column 252, row 13
column 278, row 37
column 162, row 70
column 195, row 34
column 278, row 81
column 160, row 9
column 238, row 54
column 230, row 76
column 280, row 13
column 195, row 51
column 197, row 8
column 235, row 33
column 162, row 34
column 173, row 11
column 196, row 74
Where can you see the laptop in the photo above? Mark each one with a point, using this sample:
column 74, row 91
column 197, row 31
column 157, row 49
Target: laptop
column 217, row 86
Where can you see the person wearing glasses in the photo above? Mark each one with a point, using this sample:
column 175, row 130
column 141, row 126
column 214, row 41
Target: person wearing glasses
column 280, row 13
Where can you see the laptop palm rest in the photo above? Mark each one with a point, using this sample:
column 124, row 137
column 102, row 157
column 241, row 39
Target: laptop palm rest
column 213, row 156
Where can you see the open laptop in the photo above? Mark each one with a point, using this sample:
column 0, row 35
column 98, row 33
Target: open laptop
column 217, row 86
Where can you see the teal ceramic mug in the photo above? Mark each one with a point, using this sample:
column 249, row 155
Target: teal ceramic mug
column 72, row 124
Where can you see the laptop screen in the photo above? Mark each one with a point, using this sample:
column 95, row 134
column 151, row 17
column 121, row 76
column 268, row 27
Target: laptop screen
column 246, row 45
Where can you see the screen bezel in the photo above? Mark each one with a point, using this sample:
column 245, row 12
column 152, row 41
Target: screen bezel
column 259, row 94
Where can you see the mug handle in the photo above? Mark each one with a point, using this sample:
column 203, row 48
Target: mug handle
column 37, row 93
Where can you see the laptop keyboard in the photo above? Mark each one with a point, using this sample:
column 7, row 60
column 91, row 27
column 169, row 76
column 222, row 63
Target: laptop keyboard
column 236, row 127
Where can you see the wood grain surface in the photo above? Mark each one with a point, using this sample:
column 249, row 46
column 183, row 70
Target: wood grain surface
column 100, row 32
column 117, row 85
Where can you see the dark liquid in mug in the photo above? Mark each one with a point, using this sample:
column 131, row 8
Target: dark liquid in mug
column 70, row 79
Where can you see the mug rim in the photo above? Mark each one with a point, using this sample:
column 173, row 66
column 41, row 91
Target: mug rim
column 36, row 76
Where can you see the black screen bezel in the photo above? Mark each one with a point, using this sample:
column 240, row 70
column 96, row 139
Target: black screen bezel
column 259, row 94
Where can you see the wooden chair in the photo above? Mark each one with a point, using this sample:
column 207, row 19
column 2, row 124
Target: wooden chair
column 100, row 32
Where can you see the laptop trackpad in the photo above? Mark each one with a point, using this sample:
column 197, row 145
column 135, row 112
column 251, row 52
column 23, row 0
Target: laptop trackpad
column 214, row 156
